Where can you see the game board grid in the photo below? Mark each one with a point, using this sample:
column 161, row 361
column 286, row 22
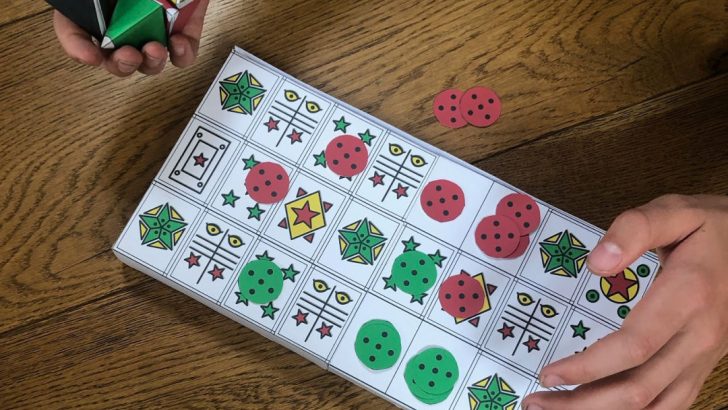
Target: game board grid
column 258, row 112
column 313, row 264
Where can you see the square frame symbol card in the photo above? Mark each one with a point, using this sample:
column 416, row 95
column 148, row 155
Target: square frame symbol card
column 371, row 253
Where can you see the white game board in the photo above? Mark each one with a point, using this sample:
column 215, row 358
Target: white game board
column 250, row 215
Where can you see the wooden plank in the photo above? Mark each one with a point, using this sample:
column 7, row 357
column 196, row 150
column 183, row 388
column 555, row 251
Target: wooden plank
column 150, row 346
column 80, row 147
column 14, row 10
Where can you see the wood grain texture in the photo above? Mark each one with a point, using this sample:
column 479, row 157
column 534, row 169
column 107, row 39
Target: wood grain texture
column 630, row 93
column 15, row 10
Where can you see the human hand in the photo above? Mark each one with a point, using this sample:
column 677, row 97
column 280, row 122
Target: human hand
column 676, row 334
column 125, row 60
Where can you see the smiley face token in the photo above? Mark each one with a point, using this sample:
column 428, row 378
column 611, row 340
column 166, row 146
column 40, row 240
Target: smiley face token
column 267, row 183
column 442, row 200
column 497, row 236
column 346, row 155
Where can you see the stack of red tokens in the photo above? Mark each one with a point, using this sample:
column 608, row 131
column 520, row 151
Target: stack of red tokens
column 478, row 106
column 505, row 234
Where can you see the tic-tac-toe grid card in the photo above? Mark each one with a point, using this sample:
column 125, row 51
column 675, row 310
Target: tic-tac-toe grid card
column 371, row 253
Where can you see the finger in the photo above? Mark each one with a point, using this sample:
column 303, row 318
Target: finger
column 75, row 41
column 681, row 393
column 662, row 222
column 630, row 390
column 184, row 45
column 155, row 57
column 650, row 325
column 124, row 61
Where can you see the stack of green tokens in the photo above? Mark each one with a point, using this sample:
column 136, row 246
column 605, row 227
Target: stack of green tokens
column 378, row 344
column 431, row 375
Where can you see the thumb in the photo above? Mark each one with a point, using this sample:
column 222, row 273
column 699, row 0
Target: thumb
column 664, row 221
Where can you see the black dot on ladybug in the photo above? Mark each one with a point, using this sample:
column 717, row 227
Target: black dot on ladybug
column 446, row 212
column 252, row 291
column 497, row 236
column 269, row 271
column 378, row 346
column 274, row 194
column 422, row 262
column 461, row 296
column 461, row 283
column 339, row 145
column 498, row 249
column 366, row 340
column 261, row 281
column 431, row 383
column 261, row 171
column 357, row 149
column 336, row 162
column 268, row 183
column 441, row 108
column 256, row 189
column 414, row 272
column 279, row 177
column 403, row 264
column 271, row 290
column 438, row 357
column 354, row 166
column 473, row 96
column 480, row 106
column 510, row 235
column 442, row 200
column 490, row 101
column 372, row 358
column 470, row 112
column 529, row 207
column 453, row 96
column 483, row 236
column 453, row 119
column 429, row 203
column 526, row 224
column 448, row 375
column 510, row 204
column 435, row 370
column 347, row 156
column 406, row 283
column 453, row 108
column 448, row 296
column 476, row 296
column 496, row 223
column 385, row 334
column 487, row 116
column 518, row 214
column 425, row 280
column 438, row 188
column 390, row 352
column 251, row 272
column 455, row 197
column 462, row 309
column 421, row 366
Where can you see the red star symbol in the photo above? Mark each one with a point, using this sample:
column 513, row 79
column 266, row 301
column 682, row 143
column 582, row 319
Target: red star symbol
column 200, row 160
column 619, row 284
column 532, row 344
column 216, row 273
column 271, row 124
column 295, row 137
column 400, row 191
column 377, row 179
column 192, row 260
column 506, row 331
column 300, row 317
column 324, row 330
column 305, row 215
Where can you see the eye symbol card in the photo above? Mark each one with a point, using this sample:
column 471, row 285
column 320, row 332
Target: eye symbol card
column 319, row 314
column 526, row 326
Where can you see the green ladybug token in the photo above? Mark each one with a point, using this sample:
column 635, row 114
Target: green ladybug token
column 260, row 282
column 414, row 272
column 378, row 344
column 431, row 375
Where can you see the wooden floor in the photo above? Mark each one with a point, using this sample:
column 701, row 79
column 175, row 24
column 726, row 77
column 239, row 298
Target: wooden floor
column 607, row 104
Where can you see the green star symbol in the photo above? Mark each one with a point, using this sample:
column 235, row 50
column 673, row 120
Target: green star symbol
column 320, row 159
column 263, row 257
column 269, row 310
column 437, row 258
column 389, row 283
column 241, row 299
column 418, row 298
column 229, row 198
column 254, row 212
column 366, row 137
column 161, row 227
column 563, row 254
column 492, row 393
column 241, row 93
column 410, row 244
column 250, row 162
column 341, row 124
column 290, row 273
column 361, row 241
column 580, row 330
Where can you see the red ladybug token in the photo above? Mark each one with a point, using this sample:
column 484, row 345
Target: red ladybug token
column 346, row 155
column 461, row 296
column 267, row 183
column 442, row 200
column 497, row 236
column 521, row 249
column 480, row 106
column 446, row 108
column 522, row 209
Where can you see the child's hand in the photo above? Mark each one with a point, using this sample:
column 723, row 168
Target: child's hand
column 676, row 334
column 125, row 60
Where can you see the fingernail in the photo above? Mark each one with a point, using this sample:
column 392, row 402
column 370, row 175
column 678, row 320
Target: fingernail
column 551, row 380
column 178, row 50
column 126, row 67
column 605, row 257
column 154, row 62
